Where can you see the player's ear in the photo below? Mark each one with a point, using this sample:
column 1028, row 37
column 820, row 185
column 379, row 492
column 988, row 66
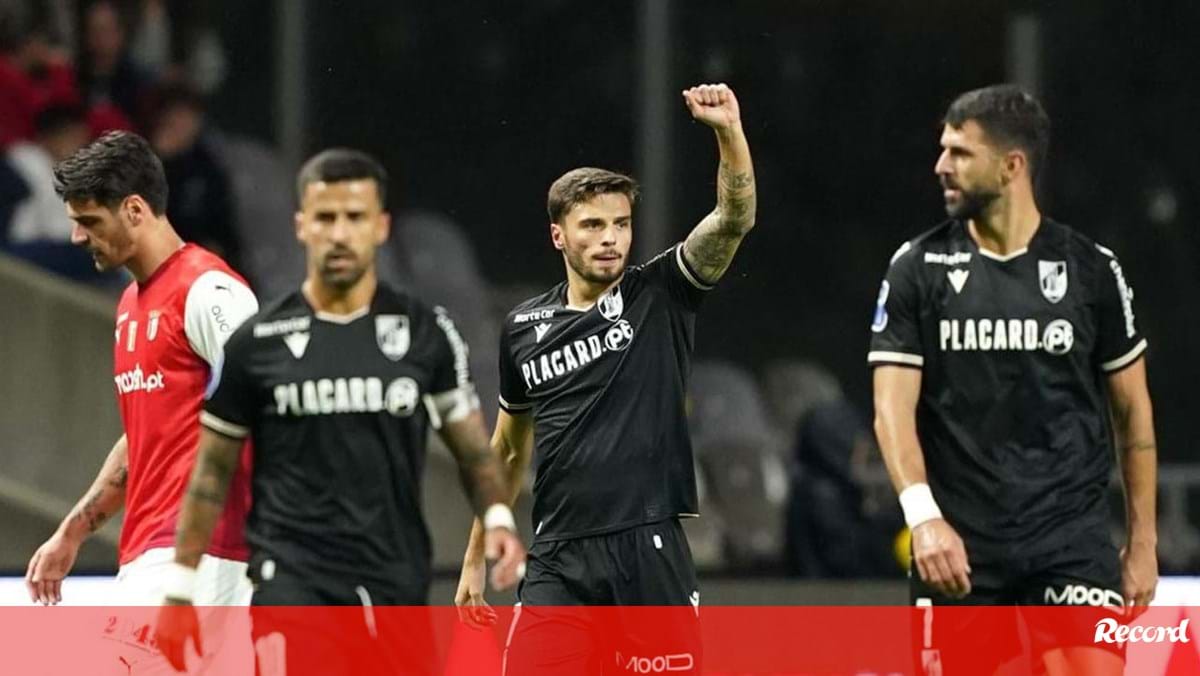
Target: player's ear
column 135, row 209
column 383, row 229
column 1015, row 163
column 557, row 236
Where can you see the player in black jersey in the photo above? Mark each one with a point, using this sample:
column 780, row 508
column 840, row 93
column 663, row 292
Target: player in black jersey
column 337, row 385
column 593, row 374
column 1003, row 344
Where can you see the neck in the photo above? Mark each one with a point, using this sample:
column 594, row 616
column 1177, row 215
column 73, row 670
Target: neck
column 583, row 294
column 332, row 300
column 1006, row 225
column 155, row 247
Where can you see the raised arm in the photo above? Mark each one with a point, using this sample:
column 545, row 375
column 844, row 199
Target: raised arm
column 710, row 247
column 512, row 445
column 54, row 559
column 938, row 551
column 1133, row 422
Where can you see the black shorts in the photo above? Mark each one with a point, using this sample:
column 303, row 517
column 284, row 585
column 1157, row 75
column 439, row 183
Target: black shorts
column 1084, row 573
column 356, row 630
column 583, row 605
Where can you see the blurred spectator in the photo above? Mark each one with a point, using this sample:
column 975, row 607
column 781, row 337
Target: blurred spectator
column 60, row 131
column 834, row 529
column 175, row 40
column 200, row 203
column 114, row 88
column 33, row 74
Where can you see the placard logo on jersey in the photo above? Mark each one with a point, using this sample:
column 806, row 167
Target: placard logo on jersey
column 1053, row 278
column 391, row 332
column 1058, row 337
column 879, row 322
column 612, row 304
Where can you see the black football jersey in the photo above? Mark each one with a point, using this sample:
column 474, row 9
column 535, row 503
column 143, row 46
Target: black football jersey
column 1013, row 351
column 606, row 388
column 338, row 408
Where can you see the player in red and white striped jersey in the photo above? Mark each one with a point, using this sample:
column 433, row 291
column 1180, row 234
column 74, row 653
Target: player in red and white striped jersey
column 171, row 324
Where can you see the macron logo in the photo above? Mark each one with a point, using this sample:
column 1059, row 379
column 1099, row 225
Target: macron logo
column 540, row 331
column 1109, row 630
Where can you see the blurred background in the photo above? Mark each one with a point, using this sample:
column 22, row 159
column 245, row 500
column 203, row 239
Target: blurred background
column 475, row 107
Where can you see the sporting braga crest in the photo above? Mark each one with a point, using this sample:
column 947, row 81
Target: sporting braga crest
column 391, row 332
column 1053, row 278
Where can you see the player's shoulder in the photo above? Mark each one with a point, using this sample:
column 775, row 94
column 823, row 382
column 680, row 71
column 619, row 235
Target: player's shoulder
column 947, row 238
column 537, row 308
column 196, row 261
column 393, row 300
column 1076, row 244
column 278, row 317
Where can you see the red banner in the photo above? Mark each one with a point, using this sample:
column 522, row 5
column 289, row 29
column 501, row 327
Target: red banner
column 718, row 640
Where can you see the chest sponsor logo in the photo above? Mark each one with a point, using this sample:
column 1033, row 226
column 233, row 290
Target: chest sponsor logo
column 999, row 335
column 958, row 278
column 391, row 332
column 534, row 316
column 880, row 320
column 1052, row 277
column 611, row 304
column 331, row 396
column 136, row 380
column 576, row 355
column 281, row 326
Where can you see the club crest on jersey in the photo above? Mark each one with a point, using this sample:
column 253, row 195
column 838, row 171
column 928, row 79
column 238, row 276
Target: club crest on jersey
column 612, row 304
column 1053, row 278
column 391, row 332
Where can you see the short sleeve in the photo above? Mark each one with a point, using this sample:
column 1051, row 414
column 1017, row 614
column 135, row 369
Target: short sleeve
column 231, row 405
column 671, row 270
column 514, row 396
column 453, row 396
column 217, row 303
column 895, row 326
column 1118, row 341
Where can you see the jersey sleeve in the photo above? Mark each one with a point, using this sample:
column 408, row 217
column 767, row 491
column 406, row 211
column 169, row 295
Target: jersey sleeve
column 671, row 270
column 895, row 327
column 1118, row 341
column 229, row 406
column 452, row 395
column 514, row 397
column 217, row 303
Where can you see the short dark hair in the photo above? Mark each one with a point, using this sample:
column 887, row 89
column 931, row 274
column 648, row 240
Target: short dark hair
column 342, row 164
column 111, row 168
column 1010, row 116
column 584, row 183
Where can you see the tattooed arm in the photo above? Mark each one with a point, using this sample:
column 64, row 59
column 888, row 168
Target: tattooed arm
column 710, row 247
column 204, row 501
column 53, row 560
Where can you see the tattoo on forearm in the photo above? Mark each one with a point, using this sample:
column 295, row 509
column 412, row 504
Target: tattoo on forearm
column 735, row 198
column 120, row 479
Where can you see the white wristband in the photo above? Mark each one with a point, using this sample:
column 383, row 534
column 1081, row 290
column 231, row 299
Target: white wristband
column 180, row 582
column 499, row 516
column 918, row 505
